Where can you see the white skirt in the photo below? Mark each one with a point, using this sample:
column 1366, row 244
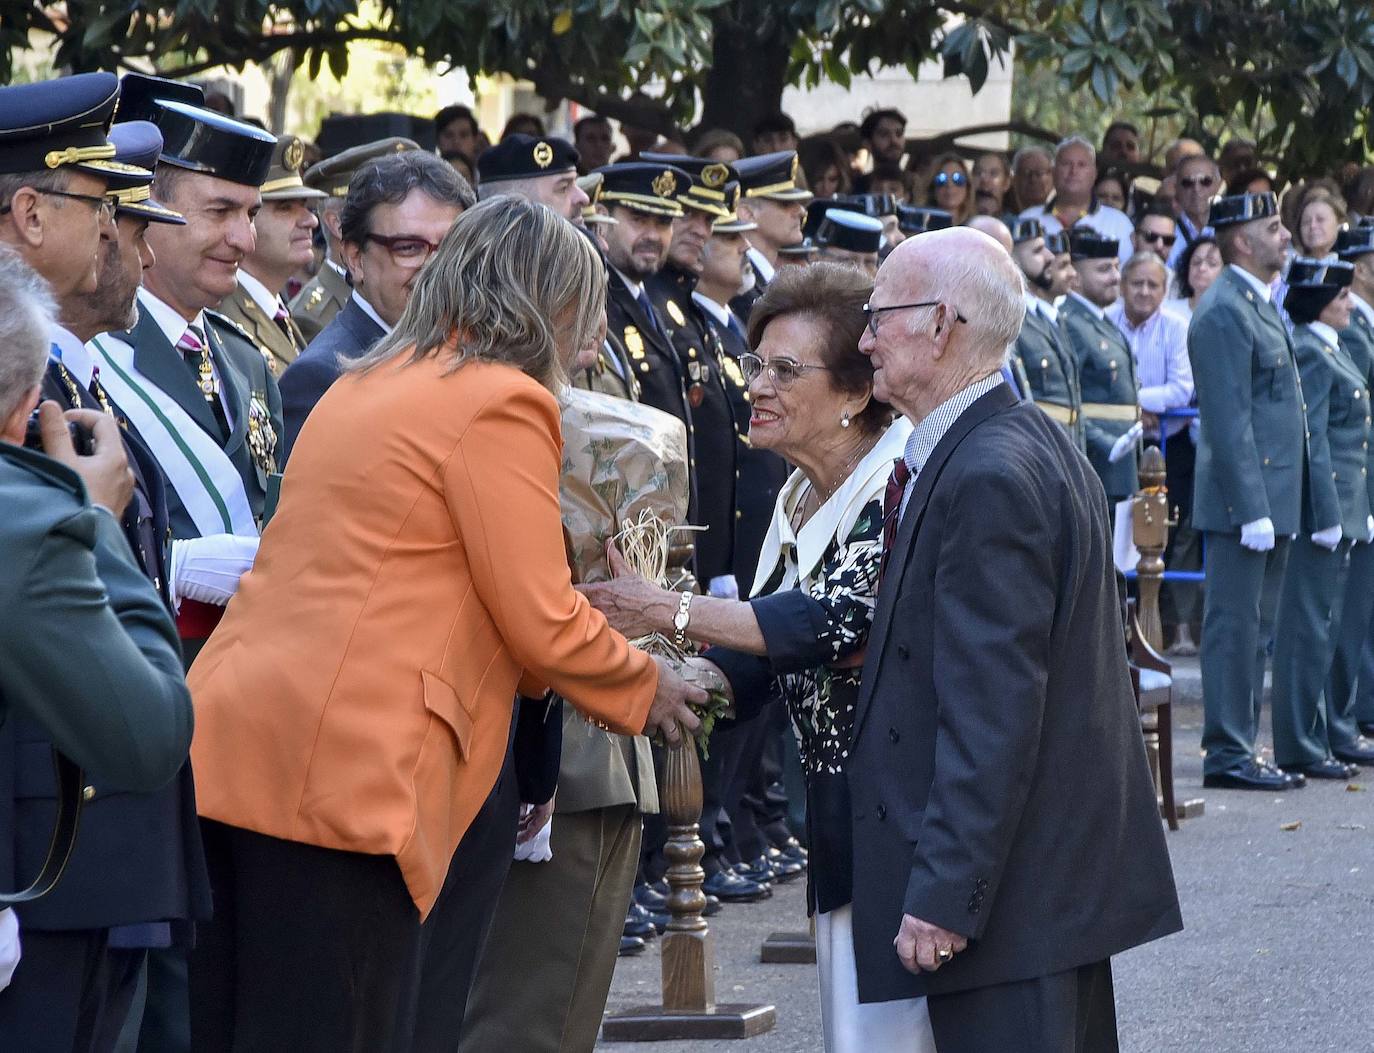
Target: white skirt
column 853, row 1027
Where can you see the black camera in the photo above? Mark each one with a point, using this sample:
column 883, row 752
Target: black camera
column 82, row 440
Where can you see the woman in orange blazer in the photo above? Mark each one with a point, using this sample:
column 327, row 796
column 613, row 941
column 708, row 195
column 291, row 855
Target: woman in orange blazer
column 353, row 708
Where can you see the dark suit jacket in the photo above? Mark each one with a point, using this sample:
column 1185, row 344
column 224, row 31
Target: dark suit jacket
column 351, row 334
column 997, row 773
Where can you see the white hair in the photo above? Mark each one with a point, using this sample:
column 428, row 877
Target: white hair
column 27, row 310
column 1027, row 151
column 1075, row 140
column 987, row 288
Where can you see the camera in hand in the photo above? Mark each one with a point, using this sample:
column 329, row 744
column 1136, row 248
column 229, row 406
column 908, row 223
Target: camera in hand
column 82, row 440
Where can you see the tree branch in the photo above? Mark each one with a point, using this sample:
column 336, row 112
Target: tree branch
column 267, row 47
column 947, row 140
column 646, row 113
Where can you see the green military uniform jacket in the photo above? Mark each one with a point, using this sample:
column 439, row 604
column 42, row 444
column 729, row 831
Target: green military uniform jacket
column 88, row 648
column 1357, row 340
column 279, row 342
column 1051, row 371
column 319, row 300
column 1336, row 394
column 612, row 374
column 1111, row 396
column 1251, row 455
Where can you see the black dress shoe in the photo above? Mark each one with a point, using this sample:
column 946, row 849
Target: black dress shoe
column 712, row 907
column 662, row 887
column 729, row 887
column 785, row 868
column 1361, row 751
column 794, row 851
column 1296, row 779
column 659, row 921
column 1366, row 728
column 638, row 922
column 649, row 898
column 1249, row 775
column 759, row 870
column 1329, row 768
column 630, row 946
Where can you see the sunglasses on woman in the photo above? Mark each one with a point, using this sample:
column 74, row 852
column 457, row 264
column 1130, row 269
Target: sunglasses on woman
column 945, row 178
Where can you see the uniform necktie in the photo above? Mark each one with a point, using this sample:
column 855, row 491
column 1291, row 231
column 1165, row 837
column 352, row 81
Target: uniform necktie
column 737, row 327
column 892, row 509
column 283, row 320
column 196, row 353
column 647, row 306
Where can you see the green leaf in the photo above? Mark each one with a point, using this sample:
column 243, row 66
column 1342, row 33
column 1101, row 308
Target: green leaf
column 1347, row 68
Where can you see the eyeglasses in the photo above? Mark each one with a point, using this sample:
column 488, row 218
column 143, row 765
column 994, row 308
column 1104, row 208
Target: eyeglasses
column 871, row 312
column 407, row 250
column 104, row 205
column 1206, row 182
column 944, row 178
column 783, row 372
column 1167, row 240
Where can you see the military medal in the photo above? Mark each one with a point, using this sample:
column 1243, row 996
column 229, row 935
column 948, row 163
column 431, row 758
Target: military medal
column 262, row 439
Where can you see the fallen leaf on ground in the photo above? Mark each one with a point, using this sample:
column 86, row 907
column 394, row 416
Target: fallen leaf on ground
column 1296, row 824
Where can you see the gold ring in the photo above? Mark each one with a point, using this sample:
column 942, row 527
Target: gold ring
column 944, row 954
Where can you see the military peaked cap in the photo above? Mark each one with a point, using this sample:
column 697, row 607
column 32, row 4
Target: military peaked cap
column 139, row 95
column 706, row 190
column 204, row 141
column 1241, row 208
column 139, row 143
column 731, row 223
column 526, row 157
column 1354, row 242
column 1057, row 241
column 875, row 205
column 651, row 188
column 284, row 182
column 1025, row 230
column 333, row 174
column 58, row 123
column 1304, row 273
column 772, row 176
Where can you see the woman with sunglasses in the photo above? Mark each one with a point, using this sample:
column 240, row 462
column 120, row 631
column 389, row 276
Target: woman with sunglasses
column 807, row 626
column 949, row 187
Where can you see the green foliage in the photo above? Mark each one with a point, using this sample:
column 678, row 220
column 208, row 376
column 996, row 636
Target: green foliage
column 1299, row 71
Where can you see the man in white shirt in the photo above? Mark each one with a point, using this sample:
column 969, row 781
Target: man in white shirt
column 283, row 244
column 1196, row 181
column 1073, row 203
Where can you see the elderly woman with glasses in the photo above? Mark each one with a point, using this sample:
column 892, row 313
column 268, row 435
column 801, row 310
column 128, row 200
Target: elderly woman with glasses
column 813, row 597
column 354, row 707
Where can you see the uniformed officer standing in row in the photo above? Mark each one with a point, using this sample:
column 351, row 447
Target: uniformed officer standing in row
column 192, row 385
column 135, row 881
column 1350, row 689
column 1106, row 367
column 1249, row 495
column 1050, row 366
column 284, row 243
column 324, row 295
column 1336, row 398
column 772, row 200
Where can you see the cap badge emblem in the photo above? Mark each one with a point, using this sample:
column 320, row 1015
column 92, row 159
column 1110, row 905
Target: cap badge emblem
column 543, row 155
column 665, row 184
column 294, row 155
column 715, row 176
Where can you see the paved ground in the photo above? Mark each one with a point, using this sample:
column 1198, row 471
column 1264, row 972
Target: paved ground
column 1277, row 953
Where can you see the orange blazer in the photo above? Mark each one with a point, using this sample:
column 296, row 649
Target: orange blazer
column 358, row 693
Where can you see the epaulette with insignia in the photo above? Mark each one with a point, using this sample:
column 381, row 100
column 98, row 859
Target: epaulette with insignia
column 231, row 324
column 675, row 313
column 316, row 295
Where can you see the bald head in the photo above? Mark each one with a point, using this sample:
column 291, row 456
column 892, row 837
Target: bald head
column 993, row 228
column 972, row 292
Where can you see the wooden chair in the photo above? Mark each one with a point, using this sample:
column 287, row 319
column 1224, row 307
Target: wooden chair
column 1153, row 682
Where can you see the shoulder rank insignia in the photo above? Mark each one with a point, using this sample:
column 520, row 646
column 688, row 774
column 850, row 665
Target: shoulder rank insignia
column 634, row 343
column 262, row 439
column 675, row 313
column 316, row 295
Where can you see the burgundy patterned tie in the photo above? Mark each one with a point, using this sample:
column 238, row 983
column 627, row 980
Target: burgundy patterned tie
column 892, row 509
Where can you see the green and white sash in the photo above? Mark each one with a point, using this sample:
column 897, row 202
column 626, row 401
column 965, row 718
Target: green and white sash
column 195, row 466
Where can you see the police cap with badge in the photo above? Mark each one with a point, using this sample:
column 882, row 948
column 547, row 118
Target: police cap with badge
column 875, row 205
column 1312, row 284
column 139, row 143
column 731, row 223
column 59, row 124
column 204, row 141
column 1242, row 208
column 1354, row 242
column 591, row 186
column 526, row 157
column 333, row 174
column 772, row 176
column 850, row 231
column 649, row 188
column 916, row 219
column 706, row 189
column 1057, row 241
column 1087, row 244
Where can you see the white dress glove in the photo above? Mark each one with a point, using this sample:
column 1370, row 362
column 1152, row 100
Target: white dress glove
column 1369, row 529
column 9, row 945
column 1258, row 536
column 208, row 568
column 723, row 587
column 1126, row 443
column 1328, row 538
column 537, row 848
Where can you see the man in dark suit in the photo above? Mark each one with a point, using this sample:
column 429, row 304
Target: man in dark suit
column 398, row 209
column 1006, row 836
